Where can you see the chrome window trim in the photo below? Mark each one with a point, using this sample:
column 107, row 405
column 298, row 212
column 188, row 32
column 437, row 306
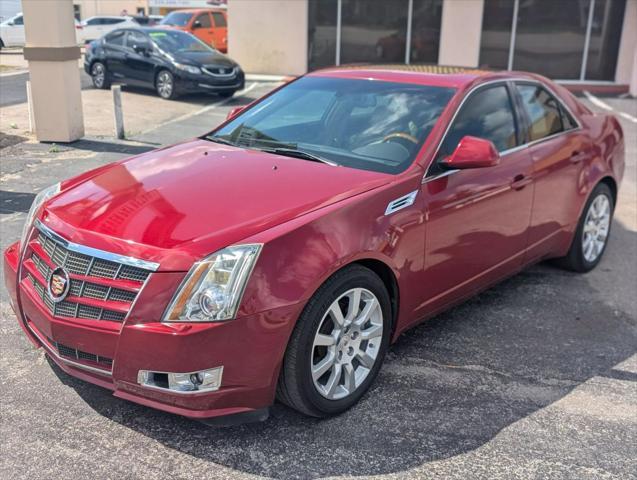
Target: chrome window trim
column 504, row 82
column 66, row 360
column 94, row 252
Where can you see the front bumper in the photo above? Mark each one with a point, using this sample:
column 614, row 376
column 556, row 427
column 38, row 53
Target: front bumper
column 250, row 348
column 189, row 83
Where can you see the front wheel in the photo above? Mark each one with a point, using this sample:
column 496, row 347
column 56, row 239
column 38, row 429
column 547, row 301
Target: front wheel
column 338, row 344
column 592, row 232
column 165, row 85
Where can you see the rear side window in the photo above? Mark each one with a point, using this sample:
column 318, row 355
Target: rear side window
column 486, row 114
column 113, row 21
column 134, row 38
column 204, row 21
column 115, row 38
column 94, row 21
column 543, row 111
column 220, row 20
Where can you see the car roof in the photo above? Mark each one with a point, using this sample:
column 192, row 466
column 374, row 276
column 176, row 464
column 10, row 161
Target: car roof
column 433, row 75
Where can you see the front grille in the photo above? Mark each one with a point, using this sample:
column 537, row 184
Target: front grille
column 220, row 71
column 95, row 282
column 78, row 355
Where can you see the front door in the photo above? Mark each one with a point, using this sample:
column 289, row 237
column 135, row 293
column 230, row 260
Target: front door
column 477, row 219
column 138, row 62
column 202, row 28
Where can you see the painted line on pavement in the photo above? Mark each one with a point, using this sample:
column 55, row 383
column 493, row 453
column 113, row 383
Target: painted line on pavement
column 601, row 104
column 201, row 110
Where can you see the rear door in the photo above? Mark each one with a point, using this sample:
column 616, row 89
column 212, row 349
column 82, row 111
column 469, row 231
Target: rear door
column 138, row 60
column 560, row 151
column 114, row 46
column 220, row 33
column 202, row 28
column 477, row 219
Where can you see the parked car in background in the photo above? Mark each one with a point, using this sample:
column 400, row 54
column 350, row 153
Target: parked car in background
column 210, row 25
column 12, row 32
column 170, row 61
column 96, row 27
column 279, row 255
column 148, row 21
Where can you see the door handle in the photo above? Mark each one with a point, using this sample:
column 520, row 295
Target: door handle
column 577, row 156
column 520, row 181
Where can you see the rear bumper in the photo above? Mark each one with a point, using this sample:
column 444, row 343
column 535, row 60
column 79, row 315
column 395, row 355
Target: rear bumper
column 250, row 349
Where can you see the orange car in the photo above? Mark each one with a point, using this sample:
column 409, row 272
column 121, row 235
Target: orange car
column 210, row 25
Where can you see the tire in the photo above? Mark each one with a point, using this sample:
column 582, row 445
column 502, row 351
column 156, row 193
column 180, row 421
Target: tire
column 1, row 44
column 227, row 94
column 99, row 76
column 597, row 217
column 165, row 85
column 303, row 385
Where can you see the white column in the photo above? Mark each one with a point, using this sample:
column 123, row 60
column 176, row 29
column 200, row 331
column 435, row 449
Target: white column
column 269, row 36
column 52, row 52
column 626, row 71
column 460, row 33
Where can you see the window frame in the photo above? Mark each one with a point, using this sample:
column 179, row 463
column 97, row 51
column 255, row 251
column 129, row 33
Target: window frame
column 520, row 114
column 561, row 106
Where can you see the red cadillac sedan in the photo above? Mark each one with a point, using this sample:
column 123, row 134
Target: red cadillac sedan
column 279, row 255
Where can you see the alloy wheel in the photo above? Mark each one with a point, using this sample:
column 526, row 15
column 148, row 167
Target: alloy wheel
column 98, row 73
column 347, row 343
column 165, row 84
column 596, row 227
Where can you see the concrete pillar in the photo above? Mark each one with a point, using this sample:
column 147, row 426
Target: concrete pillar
column 626, row 71
column 52, row 52
column 269, row 36
column 460, row 33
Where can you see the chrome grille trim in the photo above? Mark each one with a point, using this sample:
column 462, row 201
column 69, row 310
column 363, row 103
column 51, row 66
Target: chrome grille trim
column 94, row 252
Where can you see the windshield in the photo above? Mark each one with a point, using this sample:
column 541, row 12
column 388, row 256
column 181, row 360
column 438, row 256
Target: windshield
column 174, row 41
column 179, row 19
column 371, row 125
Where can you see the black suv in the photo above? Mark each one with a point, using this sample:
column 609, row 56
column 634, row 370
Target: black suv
column 170, row 61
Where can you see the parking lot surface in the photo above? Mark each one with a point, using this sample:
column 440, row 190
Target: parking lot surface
column 534, row 378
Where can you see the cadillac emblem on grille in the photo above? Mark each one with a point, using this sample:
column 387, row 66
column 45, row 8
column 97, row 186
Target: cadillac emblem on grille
column 59, row 283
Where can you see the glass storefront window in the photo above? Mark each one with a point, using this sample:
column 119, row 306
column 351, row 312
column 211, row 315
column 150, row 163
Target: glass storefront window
column 373, row 31
column 497, row 21
column 606, row 29
column 425, row 31
column 550, row 37
column 322, row 33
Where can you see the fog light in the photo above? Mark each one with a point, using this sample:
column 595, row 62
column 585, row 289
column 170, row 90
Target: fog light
column 191, row 382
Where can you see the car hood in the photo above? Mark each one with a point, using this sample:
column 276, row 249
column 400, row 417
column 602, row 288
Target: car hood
column 203, row 58
column 178, row 204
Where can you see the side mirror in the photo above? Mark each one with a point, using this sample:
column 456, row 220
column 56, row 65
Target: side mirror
column 196, row 24
column 142, row 49
column 473, row 152
column 234, row 112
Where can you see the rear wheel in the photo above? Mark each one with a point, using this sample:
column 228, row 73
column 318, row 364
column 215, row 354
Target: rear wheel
column 592, row 232
column 165, row 85
column 100, row 76
column 338, row 344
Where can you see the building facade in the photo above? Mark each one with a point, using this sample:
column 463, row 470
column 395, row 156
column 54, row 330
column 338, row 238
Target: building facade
column 571, row 40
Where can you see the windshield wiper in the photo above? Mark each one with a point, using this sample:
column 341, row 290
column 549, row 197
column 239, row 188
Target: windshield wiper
column 296, row 153
column 221, row 140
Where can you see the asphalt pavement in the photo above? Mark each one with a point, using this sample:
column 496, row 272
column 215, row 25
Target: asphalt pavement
column 13, row 87
column 534, row 378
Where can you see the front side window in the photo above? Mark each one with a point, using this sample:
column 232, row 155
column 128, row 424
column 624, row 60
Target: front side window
column 371, row 125
column 202, row 21
column 543, row 111
column 136, row 39
column 177, row 19
column 486, row 114
column 19, row 20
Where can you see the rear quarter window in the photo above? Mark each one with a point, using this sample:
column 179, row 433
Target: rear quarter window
column 543, row 111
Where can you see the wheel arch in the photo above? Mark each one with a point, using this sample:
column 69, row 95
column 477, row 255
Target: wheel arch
column 612, row 184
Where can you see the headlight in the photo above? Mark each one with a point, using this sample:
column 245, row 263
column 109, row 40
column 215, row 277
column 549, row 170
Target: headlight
column 188, row 68
column 39, row 199
column 213, row 288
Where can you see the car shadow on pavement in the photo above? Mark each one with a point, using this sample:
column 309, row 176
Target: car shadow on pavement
column 447, row 387
column 100, row 146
